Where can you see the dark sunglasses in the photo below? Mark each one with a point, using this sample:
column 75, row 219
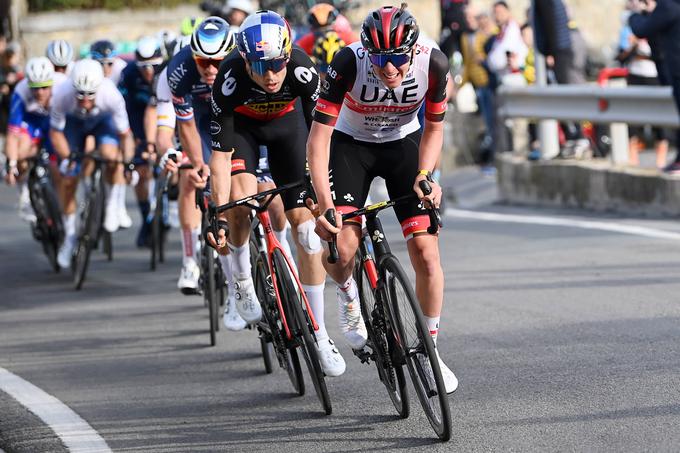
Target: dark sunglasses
column 205, row 63
column 397, row 59
column 261, row 67
column 80, row 95
column 41, row 88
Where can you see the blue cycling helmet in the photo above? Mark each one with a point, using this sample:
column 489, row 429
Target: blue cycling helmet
column 264, row 36
column 103, row 50
column 212, row 39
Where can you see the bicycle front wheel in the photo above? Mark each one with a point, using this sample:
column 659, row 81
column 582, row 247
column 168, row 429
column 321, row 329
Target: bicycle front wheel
column 92, row 212
column 380, row 337
column 210, row 289
column 413, row 338
column 298, row 320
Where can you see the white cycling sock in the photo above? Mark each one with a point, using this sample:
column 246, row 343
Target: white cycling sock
column 348, row 289
column 241, row 261
column 113, row 199
column 226, row 262
column 69, row 225
column 282, row 236
column 121, row 196
column 316, row 303
column 433, row 327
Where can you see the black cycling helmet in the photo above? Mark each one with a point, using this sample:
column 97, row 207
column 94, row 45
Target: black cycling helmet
column 389, row 30
column 103, row 50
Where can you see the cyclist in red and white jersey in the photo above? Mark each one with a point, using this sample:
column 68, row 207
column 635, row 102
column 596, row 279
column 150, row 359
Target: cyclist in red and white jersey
column 366, row 125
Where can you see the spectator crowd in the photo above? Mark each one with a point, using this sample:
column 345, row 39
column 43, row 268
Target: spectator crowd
column 497, row 49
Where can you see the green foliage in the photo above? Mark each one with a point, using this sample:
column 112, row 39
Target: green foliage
column 49, row 5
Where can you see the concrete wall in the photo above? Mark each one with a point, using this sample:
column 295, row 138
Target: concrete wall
column 80, row 27
column 594, row 185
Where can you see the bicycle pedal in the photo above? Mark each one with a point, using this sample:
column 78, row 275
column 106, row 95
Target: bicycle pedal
column 363, row 355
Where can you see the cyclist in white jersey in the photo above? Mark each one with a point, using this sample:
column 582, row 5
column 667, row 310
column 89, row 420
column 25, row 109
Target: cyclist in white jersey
column 89, row 106
column 366, row 125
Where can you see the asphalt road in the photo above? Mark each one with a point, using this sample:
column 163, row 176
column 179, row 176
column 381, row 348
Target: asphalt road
column 563, row 338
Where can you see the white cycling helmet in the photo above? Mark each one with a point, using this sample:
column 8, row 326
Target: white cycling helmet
column 244, row 5
column 148, row 48
column 39, row 72
column 87, row 76
column 181, row 44
column 212, row 39
column 59, row 52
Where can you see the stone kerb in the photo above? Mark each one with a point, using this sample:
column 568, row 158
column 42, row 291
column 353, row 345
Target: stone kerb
column 593, row 185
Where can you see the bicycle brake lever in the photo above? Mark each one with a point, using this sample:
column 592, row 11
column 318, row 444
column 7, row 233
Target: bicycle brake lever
column 333, row 243
column 432, row 211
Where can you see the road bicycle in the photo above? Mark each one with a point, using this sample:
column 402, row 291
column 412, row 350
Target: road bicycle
column 398, row 335
column 287, row 325
column 91, row 230
column 48, row 228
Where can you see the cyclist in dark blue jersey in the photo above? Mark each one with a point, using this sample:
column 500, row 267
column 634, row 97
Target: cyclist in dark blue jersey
column 136, row 85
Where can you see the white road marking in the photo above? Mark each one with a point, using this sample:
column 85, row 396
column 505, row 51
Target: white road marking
column 73, row 431
column 564, row 222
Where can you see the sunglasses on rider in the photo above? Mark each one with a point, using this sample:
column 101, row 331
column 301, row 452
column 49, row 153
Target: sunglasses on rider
column 153, row 65
column 80, row 95
column 261, row 67
column 397, row 59
column 205, row 63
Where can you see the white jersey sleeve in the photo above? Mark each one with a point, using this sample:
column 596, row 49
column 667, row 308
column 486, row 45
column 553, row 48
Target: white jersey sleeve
column 165, row 111
column 110, row 100
column 63, row 103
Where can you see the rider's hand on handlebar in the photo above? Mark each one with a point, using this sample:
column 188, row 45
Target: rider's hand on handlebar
column 12, row 173
column 169, row 164
column 219, row 242
column 199, row 177
column 325, row 230
column 434, row 198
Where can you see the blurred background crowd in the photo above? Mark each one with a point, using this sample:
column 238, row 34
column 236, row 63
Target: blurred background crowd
column 490, row 44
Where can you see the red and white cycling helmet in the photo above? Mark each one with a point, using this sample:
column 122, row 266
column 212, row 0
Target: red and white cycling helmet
column 389, row 30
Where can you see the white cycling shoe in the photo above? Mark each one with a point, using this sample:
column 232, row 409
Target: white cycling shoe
column 188, row 278
column 351, row 322
column 111, row 218
column 247, row 304
column 124, row 220
column 65, row 253
column 232, row 320
column 450, row 379
column 331, row 361
column 25, row 208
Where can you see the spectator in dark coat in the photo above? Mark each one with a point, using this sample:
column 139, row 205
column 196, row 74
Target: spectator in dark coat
column 662, row 18
column 555, row 39
column 453, row 25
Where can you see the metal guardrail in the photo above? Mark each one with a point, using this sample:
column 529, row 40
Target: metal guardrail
column 616, row 106
column 603, row 105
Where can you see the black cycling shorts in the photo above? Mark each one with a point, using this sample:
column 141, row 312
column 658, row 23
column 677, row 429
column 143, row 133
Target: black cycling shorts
column 285, row 139
column 354, row 164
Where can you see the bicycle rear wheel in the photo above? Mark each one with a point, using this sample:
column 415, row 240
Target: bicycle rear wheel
column 380, row 337
column 298, row 320
column 413, row 337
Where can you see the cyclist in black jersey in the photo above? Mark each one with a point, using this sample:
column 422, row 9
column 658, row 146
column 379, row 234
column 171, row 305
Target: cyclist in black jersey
column 257, row 98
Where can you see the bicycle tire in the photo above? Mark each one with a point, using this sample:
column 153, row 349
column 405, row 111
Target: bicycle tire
column 86, row 241
column 299, row 321
column 107, row 245
column 414, row 339
column 380, row 336
column 48, row 219
column 209, row 289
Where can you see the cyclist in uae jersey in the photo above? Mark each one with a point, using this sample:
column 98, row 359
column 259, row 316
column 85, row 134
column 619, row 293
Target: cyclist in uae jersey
column 255, row 102
column 136, row 85
column 365, row 126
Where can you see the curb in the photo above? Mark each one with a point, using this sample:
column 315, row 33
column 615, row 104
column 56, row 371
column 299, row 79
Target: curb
column 595, row 185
